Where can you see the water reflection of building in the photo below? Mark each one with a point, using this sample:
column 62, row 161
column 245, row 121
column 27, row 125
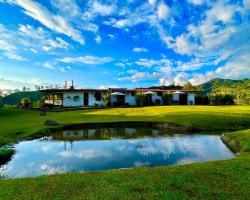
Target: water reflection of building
column 104, row 133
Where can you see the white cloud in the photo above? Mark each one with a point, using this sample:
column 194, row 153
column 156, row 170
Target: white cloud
column 151, row 2
column 8, row 46
column 139, row 76
column 152, row 63
column 89, row 60
column 48, row 65
column 65, row 69
column 139, row 50
column 196, row 2
column 54, row 22
column 38, row 38
column 103, row 9
column 98, row 39
column 67, row 7
column 111, row 36
column 14, row 56
column 163, row 10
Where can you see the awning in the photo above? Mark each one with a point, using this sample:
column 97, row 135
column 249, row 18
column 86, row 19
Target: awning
column 179, row 92
column 117, row 94
column 149, row 92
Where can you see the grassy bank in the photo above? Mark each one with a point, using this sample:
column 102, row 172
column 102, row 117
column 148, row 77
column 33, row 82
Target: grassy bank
column 228, row 179
column 16, row 124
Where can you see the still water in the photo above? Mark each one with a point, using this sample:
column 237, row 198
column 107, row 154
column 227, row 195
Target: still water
column 110, row 148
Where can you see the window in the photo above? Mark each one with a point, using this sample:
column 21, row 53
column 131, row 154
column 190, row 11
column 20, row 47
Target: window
column 98, row 96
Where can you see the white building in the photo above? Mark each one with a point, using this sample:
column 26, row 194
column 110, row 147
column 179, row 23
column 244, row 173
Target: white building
column 118, row 97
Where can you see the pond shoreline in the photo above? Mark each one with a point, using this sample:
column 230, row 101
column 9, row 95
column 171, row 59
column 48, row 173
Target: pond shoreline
column 133, row 124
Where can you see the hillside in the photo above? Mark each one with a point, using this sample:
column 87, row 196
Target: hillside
column 15, row 98
column 217, row 84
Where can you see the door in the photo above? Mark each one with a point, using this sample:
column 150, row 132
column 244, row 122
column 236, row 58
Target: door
column 183, row 99
column 86, row 99
column 149, row 99
column 120, row 100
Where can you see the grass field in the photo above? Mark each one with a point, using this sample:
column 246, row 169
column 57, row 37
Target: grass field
column 228, row 179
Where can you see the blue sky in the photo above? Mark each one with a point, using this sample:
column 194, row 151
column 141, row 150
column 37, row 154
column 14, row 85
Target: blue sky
column 126, row 43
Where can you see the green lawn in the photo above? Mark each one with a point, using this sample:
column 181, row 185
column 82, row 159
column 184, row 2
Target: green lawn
column 228, row 179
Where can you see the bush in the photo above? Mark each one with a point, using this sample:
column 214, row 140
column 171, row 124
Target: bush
column 106, row 99
column 217, row 99
column 5, row 155
column 201, row 100
column 140, row 98
column 157, row 102
column 10, row 106
column 167, row 98
column 26, row 102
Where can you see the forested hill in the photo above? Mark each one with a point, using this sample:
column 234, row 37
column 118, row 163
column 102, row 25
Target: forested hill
column 15, row 98
column 216, row 85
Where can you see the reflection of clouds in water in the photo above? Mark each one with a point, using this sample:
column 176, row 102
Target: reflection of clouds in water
column 184, row 161
column 47, row 169
column 40, row 157
column 86, row 154
column 141, row 164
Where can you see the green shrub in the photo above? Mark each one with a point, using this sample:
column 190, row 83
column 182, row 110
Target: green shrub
column 167, row 98
column 10, row 106
column 5, row 155
column 106, row 99
column 26, row 102
column 140, row 98
column 217, row 99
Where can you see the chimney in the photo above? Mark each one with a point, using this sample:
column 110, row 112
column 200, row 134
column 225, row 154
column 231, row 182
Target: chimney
column 72, row 85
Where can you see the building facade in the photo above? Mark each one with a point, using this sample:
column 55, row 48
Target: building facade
column 118, row 97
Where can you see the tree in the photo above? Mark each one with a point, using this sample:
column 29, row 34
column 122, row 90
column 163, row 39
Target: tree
column 106, row 99
column 167, row 98
column 140, row 98
column 189, row 86
column 26, row 102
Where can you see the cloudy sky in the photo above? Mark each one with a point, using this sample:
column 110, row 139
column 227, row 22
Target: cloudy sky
column 123, row 43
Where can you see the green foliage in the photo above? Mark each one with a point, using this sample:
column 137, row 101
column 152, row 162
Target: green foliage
column 201, row 99
column 9, row 106
column 5, row 155
column 26, row 102
column 240, row 89
column 189, row 86
column 140, row 98
column 15, row 98
column 216, row 99
column 4, row 152
column 106, row 98
column 167, row 98
column 37, row 104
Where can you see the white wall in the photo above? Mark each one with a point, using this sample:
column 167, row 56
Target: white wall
column 176, row 97
column 191, row 99
column 131, row 100
column 154, row 97
column 92, row 100
column 69, row 101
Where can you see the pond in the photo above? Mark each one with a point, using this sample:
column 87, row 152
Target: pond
column 97, row 149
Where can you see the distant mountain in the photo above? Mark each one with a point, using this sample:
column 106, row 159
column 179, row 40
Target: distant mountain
column 214, row 85
column 15, row 98
column 218, row 84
